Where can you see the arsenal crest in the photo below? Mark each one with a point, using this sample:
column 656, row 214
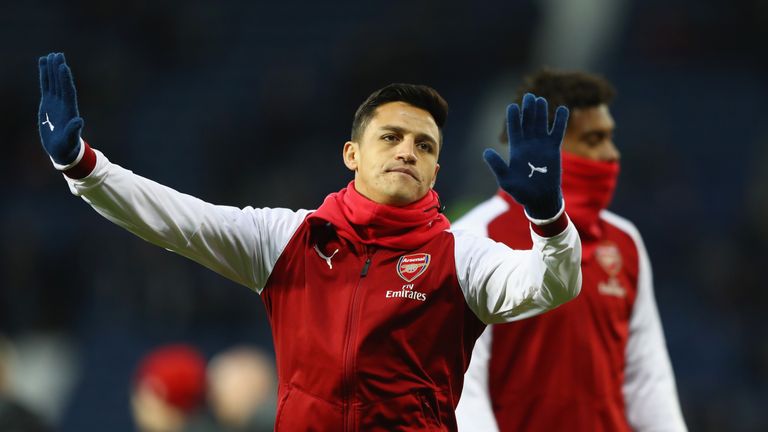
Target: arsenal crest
column 409, row 267
column 609, row 258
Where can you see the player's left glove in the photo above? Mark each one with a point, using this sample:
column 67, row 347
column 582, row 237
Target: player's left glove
column 58, row 119
column 533, row 174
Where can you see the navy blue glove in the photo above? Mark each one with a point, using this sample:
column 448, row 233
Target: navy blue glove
column 58, row 118
column 533, row 174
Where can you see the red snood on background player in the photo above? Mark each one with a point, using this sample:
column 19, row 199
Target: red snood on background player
column 588, row 188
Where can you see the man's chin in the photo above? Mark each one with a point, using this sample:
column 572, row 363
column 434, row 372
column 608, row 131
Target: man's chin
column 402, row 198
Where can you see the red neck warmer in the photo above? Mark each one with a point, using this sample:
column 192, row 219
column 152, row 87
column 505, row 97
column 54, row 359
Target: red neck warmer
column 588, row 188
column 361, row 220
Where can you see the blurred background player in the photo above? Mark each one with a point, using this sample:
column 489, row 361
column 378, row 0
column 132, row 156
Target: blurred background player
column 14, row 416
column 168, row 389
column 242, row 390
column 598, row 363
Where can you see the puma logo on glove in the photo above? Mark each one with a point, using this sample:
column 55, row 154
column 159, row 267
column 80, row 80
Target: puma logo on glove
column 542, row 170
column 47, row 120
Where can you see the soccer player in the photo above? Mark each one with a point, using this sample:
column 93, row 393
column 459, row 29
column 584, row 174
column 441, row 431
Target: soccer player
column 374, row 304
column 598, row 363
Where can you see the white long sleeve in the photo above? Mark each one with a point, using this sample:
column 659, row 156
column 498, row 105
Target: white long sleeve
column 475, row 411
column 649, row 388
column 240, row 244
column 503, row 285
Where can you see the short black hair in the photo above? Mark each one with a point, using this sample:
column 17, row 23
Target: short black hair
column 573, row 89
column 418, row 95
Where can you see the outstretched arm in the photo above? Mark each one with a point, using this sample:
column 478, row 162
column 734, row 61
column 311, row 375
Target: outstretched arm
column 501, row 284
column 241, row 244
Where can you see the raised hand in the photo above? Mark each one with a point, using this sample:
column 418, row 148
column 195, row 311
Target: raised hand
column 533, row 173
column 58, row 119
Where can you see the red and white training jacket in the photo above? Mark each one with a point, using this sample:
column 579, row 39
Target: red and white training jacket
column 596, row 364
column 366, row 339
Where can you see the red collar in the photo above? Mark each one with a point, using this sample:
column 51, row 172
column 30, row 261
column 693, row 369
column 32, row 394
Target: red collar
column 360, row 220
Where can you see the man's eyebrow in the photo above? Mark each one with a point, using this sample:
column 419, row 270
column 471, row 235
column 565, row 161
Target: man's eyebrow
column 598, row 131
column 403, row 131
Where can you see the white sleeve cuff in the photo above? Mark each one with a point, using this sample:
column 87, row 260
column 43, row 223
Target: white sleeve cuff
column 72, row 164
column 546, row 221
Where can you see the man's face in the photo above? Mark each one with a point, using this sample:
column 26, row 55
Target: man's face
column 395, row 162
column 590, row 134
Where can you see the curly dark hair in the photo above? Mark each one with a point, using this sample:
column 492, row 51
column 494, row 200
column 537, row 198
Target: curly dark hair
column 418, row 95
column 573, row 89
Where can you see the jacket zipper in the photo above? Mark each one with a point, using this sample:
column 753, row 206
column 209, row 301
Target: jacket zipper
column 349, row 352
column 367, row 264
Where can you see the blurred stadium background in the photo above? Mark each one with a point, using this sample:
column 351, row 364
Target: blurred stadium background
column 249, row 103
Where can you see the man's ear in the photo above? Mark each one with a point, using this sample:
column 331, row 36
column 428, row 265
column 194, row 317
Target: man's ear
column 434, row 178
column 351, row 155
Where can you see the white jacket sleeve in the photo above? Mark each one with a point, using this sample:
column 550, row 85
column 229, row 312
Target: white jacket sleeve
column 475, row 412
column 240, row 244
column 649, row 382
column 502, row 285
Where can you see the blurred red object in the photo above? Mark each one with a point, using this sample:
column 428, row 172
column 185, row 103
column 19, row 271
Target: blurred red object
column 176, row 374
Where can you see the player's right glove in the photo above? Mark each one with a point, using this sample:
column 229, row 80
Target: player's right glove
column 58, row 119
column 533, row 174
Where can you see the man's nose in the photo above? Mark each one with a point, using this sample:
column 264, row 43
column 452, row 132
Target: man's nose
column 406, row 151
column 610, row 153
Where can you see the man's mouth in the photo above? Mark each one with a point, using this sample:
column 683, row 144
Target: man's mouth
column 404, row 170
